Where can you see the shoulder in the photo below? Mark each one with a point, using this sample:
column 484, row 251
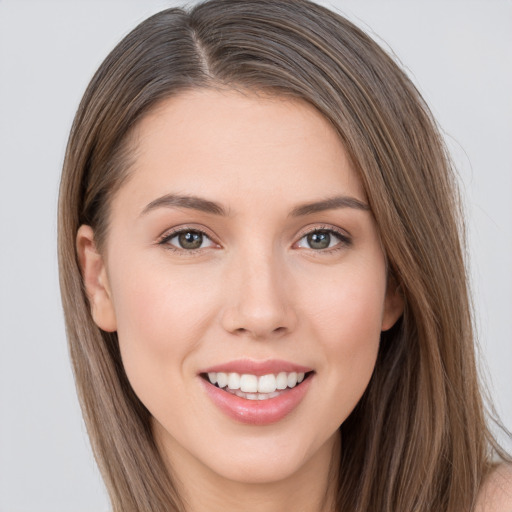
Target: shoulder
column 496, row 492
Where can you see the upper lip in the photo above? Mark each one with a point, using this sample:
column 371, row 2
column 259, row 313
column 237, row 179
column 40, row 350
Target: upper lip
column 258, row 368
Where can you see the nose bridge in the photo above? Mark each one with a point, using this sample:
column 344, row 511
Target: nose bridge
column 259, row 304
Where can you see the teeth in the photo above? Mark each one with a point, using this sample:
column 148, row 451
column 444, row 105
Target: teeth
column 282, row 380
column 267, row 384
column 248, row 383
column 234, row 381
column 250, row 396
column 222, row 379
column 253, row 387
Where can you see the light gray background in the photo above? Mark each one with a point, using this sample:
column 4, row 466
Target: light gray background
column 458, row 52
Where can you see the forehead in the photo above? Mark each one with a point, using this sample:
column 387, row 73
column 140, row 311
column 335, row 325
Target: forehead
column 234, row 146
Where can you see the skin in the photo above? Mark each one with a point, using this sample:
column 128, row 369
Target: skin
column 496, row 492
column 256, row 289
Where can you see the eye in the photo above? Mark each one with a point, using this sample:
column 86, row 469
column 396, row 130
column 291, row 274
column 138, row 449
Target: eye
column 321, row 239
column 188, row 240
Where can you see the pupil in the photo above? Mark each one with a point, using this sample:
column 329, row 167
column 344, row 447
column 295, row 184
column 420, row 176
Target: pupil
column 191, row 240
column 319, row 240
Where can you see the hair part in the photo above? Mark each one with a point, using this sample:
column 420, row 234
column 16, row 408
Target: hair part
column 418, row 439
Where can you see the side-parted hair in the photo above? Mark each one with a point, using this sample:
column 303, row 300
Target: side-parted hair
column 418, row 439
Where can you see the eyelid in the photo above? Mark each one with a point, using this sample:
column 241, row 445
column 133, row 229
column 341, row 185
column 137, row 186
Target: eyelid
column 169, row 234
column 342, row 235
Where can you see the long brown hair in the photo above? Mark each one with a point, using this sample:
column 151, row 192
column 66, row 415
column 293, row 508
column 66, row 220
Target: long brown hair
column 418, row 439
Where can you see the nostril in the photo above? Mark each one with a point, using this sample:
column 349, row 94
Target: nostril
column 259, row 319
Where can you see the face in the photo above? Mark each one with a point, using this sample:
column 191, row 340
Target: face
column 244, row 275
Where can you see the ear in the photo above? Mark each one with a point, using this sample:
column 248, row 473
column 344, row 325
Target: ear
column 393, row 304
column 95, row 278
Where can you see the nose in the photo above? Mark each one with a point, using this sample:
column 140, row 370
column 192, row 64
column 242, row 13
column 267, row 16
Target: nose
column 258, row 302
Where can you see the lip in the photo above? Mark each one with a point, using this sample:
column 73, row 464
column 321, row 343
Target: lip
column 257, row 412
column 257, row 368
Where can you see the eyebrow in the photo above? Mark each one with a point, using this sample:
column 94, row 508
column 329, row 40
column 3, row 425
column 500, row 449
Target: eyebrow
column 191, row 202
column 207, row 206
column 331, row 203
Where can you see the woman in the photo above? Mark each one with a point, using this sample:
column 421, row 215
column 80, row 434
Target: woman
column 263, row 277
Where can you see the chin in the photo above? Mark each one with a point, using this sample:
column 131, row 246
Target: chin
column 265, row 461
column 259, row 470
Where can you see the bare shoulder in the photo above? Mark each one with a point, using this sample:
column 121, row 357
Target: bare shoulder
column 496, row 493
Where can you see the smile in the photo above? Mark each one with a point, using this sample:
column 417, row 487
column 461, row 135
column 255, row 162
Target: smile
column 257, row 393
column 252, row 387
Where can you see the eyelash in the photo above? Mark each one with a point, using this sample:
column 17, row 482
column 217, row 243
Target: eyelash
column 168, row 236
column 344, row 240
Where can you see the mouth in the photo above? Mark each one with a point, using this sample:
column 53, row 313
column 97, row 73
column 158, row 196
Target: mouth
column 253, row 387
column 259, row 393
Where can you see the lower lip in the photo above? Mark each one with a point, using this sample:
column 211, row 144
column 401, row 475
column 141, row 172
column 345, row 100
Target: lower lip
column 257, row 412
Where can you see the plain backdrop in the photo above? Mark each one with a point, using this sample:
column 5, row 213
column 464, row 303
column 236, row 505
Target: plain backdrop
column 459, row 53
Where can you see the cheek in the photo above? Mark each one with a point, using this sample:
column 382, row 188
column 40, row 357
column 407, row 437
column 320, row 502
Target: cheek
column 350, row 332
column 346, row 322
column 348, row 307
column 161, row 317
